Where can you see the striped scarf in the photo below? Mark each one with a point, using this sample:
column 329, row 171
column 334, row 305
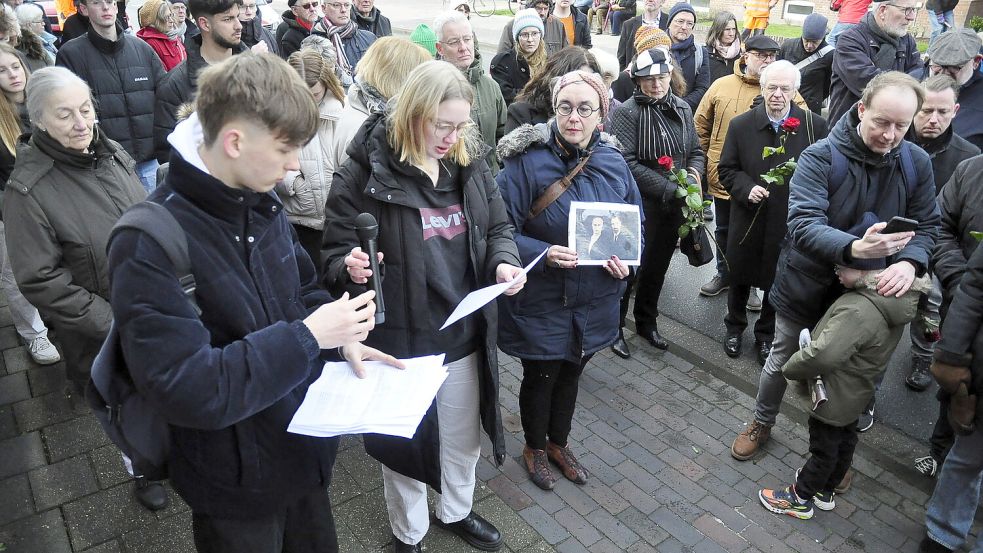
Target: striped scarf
column 338, row 33
column 657, row 134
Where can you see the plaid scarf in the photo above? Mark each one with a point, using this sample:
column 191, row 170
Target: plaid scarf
column 338, row 33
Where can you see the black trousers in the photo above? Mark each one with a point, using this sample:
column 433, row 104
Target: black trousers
column 942, row 435
column 831, row 454
column 306, row 526
column 310, row 240
column 547, row 398
column 722, row 209
column 736, row 317
column 660, row 243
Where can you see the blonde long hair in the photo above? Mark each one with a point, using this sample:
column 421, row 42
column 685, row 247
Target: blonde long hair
column 10, row 129
column 427, row 86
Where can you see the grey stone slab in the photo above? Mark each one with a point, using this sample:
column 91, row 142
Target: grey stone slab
column 100, row 516
column 615, row 530
column 14, row 388
column 21, row 454
column 172, row 535
column 108, row 464
column 47, row 379
column 575, row 496
column 111, row 546
column 36, row 413
column 517, row 533
column 74, row 436
column 578, row 526
column 41, row 533
column 641, row 524
column 16, row 359
column 62, row 482
column 678, row 528
column 639, row 499
column 17, row 500
column 8, row 424
column 551, row 530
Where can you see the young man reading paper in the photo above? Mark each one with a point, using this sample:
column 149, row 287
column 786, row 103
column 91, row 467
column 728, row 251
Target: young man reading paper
column 229, row 381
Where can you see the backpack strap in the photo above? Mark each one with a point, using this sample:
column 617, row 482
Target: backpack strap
column 908, row 168
column 157, row 222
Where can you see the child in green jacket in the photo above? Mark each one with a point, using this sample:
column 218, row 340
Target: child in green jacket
column 850, row 349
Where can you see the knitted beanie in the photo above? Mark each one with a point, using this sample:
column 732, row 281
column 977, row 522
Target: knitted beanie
column 524, row 19
column 591, row 79
column 814, row 27
column 148, row 12
column 679, row 8
column 647, row 38
column 424, row 36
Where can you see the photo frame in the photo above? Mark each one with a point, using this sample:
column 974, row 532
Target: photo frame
column 598, row 230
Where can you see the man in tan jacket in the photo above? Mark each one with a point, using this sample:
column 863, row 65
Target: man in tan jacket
column 727, row 98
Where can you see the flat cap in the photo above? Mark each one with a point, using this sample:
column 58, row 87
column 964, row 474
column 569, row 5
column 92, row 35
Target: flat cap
column 761, row 43
column 954, row 47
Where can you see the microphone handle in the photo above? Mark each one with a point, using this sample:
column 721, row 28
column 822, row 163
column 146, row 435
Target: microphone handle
column 374, row 282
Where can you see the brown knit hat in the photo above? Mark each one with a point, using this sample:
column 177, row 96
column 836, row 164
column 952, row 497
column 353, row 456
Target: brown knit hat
column 148, row 12
column 647, row 38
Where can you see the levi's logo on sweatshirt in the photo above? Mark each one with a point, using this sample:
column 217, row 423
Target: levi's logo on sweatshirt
column 445, row 222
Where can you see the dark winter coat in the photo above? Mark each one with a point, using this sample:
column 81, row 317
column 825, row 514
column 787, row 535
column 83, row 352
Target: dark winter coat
column 626, row 42
column 850, row 349
column 59, row 207
column 817, row 77
column 719, row 65
column 230, row 380
column 375, row 23
column 961, row 205
column 968, row 123
column 697, row 78
column 562, row 313
column 753, row 254
column 581, row 30
column 511, row 71
column 74, row 26
column 176, row 88
column 123, row 77
column 253, row 32
column 657, row 191
column 853, row 64
column 374, row 181
column 947, row 151
column 290, row 34
column 191, row 30
column 962, row 330
column 938, row 6
column 523, row 113
column 818, row 237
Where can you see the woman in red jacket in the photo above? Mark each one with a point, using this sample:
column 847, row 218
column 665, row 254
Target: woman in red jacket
column 159, row 29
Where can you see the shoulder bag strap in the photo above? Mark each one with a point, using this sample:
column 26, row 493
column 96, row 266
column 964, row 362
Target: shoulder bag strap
column 555, row 190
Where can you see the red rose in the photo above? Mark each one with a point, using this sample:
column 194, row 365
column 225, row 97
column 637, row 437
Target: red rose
column 791, row 124
column 666, row 163
column 933, row 335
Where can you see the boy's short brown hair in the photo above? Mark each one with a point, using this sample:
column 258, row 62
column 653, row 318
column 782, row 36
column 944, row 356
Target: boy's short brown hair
column 259, row 88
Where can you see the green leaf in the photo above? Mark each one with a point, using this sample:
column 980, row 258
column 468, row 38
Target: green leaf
column 683, row 231
column 976, row 234
column 707, row 203
column 680, row 192
column 770, row 179
column 768, row 151
column 694, row 224
column 694, row 202
column 694, row 189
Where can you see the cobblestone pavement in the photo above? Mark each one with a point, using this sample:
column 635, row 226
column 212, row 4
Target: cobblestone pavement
column 653, row 431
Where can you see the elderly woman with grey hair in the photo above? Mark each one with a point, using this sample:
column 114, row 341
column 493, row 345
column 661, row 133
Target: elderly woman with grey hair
column 69, row 186
column 569, row 312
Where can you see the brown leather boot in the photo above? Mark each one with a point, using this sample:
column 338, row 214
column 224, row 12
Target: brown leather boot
column 844, row 484
column 563, row 458
column 747, row 443
column 538, row 468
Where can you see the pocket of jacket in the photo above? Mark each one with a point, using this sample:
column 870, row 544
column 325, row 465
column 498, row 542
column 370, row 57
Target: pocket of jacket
column 80, row 261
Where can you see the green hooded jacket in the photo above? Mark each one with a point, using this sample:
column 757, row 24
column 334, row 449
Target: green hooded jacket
column 488, row 110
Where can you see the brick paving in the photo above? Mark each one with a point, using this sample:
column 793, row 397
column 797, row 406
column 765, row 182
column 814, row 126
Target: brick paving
column 653, row 431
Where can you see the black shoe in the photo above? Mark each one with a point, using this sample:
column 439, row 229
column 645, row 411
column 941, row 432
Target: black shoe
column 733, row 345
column 478, row 532
column 708, row 214
column 716, row 285
column 929, row 545
column 620, row 346
column 763, row 349
column 651, row 334
column 866, row 420
column 920, row 378
column 400, row 547
column 150, row 494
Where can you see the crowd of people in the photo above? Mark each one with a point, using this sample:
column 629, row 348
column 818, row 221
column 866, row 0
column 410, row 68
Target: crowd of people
column 843, row 185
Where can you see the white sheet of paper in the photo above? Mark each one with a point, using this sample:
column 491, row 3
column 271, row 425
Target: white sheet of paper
column 387, row 401
column 479, row 298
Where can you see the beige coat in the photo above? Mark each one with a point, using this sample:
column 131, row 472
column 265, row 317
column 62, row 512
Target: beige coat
column 726, row 98
column 304, row 192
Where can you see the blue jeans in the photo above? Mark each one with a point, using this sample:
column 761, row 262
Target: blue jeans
column 952, row 508
column 837, row 29
column 937, row 28
column 619, row 17
column 147, row 171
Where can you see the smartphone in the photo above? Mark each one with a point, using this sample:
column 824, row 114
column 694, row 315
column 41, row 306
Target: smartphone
column 900, row 224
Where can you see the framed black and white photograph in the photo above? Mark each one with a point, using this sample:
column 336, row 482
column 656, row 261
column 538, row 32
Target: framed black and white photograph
column 598, row 230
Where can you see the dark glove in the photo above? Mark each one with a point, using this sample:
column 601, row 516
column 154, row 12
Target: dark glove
column 962, row 411
column 757, row 101
column 950, row 377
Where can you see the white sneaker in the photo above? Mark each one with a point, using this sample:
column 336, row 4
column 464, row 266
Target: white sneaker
column 927, row 465
column 43, row 352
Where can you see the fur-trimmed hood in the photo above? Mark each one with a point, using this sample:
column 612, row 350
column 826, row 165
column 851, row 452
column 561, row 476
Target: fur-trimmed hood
column 524, row 136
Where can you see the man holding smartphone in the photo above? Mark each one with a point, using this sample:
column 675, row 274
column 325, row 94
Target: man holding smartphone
column 843, row 193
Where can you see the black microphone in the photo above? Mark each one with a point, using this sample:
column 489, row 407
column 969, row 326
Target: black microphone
column 367, row 230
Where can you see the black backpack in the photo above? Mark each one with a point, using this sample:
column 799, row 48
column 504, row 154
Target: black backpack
column 130, row 421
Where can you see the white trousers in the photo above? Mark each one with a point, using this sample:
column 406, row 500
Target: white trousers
column 26, row 318
column 460, row 446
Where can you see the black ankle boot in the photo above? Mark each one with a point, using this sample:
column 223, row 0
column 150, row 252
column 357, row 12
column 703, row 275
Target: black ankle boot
column 620, row 346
